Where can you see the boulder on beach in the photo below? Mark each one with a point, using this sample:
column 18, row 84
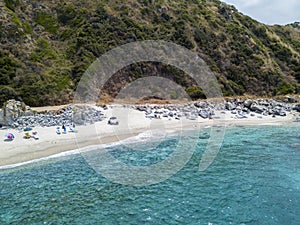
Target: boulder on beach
column 204, row 114
column 12, row 110
column 290, row 99
column 201, row 105
column 297, row 107
column 248, row 103
column 257, row 108
column 230, row 106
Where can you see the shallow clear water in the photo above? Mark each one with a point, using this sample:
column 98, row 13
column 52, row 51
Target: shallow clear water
column 255, row 179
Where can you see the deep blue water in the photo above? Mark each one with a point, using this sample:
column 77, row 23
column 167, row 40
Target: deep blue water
column 255, row 179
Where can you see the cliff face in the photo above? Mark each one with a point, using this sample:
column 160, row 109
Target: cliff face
column 46, row 45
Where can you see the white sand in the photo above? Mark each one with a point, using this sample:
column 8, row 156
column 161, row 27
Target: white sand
column 131, row 123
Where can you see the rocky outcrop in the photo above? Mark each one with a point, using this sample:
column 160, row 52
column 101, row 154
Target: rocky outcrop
column 70, row 115
column 16, row 114
column 12, row 110
column 263, row 106
column 239, row 108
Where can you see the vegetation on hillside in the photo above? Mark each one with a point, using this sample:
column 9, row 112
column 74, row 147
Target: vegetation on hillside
column 46, row 45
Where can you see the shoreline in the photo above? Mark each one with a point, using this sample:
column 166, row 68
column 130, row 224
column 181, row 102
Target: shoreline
column 132, row 123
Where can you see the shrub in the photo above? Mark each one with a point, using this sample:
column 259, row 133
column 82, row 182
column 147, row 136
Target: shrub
column 195, row 92
column 6, row 93
column 11, row 4
column 7, row 69
column 47, row 21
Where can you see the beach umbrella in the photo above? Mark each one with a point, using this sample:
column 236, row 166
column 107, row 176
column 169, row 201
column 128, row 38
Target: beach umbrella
column 9, row 136
column 27, row 129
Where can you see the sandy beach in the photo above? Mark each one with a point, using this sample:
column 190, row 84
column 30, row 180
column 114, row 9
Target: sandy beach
column 131, row 123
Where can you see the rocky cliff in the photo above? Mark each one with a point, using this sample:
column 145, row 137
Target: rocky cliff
column 46, row 45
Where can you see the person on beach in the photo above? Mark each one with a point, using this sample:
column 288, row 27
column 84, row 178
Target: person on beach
column 35, row 135
column 64, row 129
column 58, row 130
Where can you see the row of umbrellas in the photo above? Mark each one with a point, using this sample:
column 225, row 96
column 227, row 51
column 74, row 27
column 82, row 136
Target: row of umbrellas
column 11, row 137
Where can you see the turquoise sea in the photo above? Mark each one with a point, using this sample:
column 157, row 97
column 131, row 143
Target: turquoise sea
column 255, row 179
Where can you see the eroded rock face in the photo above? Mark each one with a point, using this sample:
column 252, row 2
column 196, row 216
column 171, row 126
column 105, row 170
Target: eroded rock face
column 12, row 110
column 68, row 116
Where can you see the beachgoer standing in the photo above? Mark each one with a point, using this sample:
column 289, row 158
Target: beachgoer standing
column 64, row 128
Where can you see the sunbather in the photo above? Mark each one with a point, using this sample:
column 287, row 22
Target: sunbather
column 35, row 135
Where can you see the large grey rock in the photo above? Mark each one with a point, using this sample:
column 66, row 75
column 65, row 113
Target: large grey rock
column 291, row 99
column 230, row 106
column 204, row 114
column 201, row 105
column 263, row 102
column 79, row 118
column 12, row 110
column 257, row 108
column 297, row 107
column 248, row 103
column 282, row 113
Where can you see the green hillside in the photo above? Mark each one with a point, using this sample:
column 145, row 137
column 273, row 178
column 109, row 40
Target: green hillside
column 46, row 45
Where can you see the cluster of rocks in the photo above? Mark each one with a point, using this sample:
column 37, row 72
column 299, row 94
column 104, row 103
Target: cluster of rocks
column 189, row 111
column 264, row 107
column 17, row 115
column 239, row 108
column 87, row 114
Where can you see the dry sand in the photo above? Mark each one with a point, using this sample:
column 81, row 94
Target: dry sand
column 131, row 123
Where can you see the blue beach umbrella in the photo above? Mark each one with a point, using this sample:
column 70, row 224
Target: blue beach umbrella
column 27, row 129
